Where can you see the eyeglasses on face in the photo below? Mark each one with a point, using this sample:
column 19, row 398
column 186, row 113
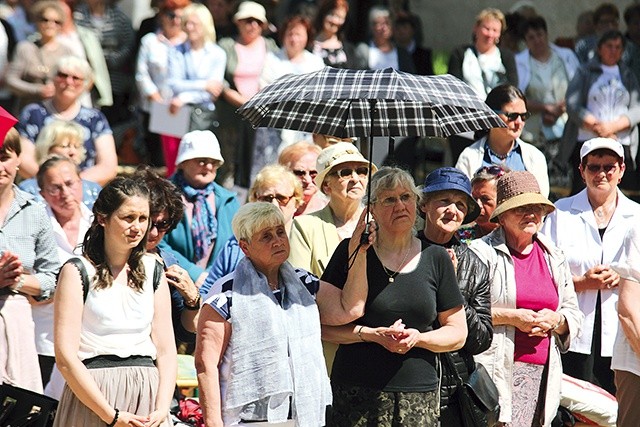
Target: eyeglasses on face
column 281, row 198
column 50, row 21
column 405, row 198
column 162, row 226
column 529, row 209
column 301, row 173
column 64, row 76
column 596, row 168
column 512, row 117
column 496, row 171
column 171, row 14
column 345, row 173
column 67, row 145
column 56, row 190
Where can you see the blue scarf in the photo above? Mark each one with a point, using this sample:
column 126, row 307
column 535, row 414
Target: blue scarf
column 204, row 225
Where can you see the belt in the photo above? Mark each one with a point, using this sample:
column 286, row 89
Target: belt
column 112, row 361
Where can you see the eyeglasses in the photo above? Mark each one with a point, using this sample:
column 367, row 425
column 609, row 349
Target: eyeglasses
column 405, row 198
column 348, row 172
column 594, row 168
column 64, row 76
column 527, row 209
column 511, row 117
column 496, row 171
column 56, row 190
column 205, row 161
column 171, row 14
column 67, row 145
column 301, row 173
column 50, row 21
column 161, row 226
column 281, row 198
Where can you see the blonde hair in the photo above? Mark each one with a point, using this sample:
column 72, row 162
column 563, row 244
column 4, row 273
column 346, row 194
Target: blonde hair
column 205, row 17
column 54, row 133
column 492, row 13
column 253, row 217
column 294, row 151
column 272, row 175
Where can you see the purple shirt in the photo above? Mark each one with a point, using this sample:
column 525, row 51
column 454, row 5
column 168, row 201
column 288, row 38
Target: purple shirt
column 535, row 290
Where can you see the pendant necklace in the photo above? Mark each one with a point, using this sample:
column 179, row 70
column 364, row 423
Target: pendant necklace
column 392, row 276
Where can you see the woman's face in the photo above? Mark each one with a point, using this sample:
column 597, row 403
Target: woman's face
column 249, row 29
column 280, row 194
column 395, row 210
column 305, row 169
column 9, row 163
column 348, row 188
column 610, row 52
column 523, row 221
column 445, row 210
column 537, row 41
column 199, row 172
column 157, row 229
column 125, row 228
column 171, row 22
column 268, row 248
column 295, row 40
column 49, row 24
column 334, row 20
column 194, row 28
column 62, row 189
column 602, row 174
column 514, row 127
column 69, row 84
column 484, row 192
column 381, row 29
column 487, row 34
column 68, row 147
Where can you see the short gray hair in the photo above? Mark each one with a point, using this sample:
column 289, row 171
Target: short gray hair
column 253, row 217
column 390, row 178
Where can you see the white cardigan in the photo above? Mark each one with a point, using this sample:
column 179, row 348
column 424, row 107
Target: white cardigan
column 470, row 161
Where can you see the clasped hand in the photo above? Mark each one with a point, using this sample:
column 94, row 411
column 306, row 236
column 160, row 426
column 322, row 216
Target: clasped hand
column 10, row 269
column 536, row 323
column 397, row 338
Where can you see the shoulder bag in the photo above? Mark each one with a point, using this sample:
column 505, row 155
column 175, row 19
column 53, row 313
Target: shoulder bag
column 21, row 408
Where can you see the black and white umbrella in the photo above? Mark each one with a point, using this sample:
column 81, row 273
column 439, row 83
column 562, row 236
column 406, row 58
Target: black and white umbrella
column 367, row 103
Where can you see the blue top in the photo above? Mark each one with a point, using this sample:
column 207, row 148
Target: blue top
column 225, row 263
column 90, row 191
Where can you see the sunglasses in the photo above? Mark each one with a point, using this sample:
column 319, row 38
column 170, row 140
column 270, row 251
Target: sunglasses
column 348, row 172
column 64, row 76
column 301, row 173
column 281, row 198
column 496, row 171
column 511, row 117
column 594, row 168
column 50, row 21
column 171, row 14
column 161, row 226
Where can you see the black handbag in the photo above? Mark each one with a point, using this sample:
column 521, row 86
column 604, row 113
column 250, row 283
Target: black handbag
column 22, row 408
column 477, row 397
column 202, row 118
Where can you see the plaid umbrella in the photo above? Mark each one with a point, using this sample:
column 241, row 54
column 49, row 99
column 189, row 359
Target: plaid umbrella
column 366, row 103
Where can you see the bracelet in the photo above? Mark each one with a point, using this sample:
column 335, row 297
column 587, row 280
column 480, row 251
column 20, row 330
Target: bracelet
column 115, row 419
column 560, row 322
column 360, row 334
column 19, row 285
column 196, row 304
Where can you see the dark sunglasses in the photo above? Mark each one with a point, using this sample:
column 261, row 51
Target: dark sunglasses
column 300, row 173
column 514, row 116
column 171, row 14
column 50, row 21
column 161, row 226
column 65, row 76
column 593, row 168
column 496, row 171
column 348, row 172
column 281, row 198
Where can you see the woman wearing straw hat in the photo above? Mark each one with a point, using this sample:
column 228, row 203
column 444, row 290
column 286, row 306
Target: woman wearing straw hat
column 589, row 227
column 447, row 204
column 534, row 306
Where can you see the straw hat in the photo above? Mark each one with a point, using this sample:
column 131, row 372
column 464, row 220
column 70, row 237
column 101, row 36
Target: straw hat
column 519, row 188
column 336, row 154
column 452, row 179
column 199, row 144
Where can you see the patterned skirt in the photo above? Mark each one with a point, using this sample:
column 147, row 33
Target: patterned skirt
column 527, row 396
column 365, row 407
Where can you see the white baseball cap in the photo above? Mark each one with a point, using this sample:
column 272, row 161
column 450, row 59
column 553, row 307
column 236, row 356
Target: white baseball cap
column 199, row 144
column 593, row 144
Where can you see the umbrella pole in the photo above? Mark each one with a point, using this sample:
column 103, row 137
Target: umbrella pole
column 364, row 239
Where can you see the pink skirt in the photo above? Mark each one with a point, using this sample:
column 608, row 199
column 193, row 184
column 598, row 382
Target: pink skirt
column 131, row 389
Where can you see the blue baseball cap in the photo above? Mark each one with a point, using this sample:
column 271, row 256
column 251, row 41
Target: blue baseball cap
column 452, row 179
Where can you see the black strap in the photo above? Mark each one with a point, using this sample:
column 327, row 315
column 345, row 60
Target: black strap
column 453, row 368
column 158, row 271
column 77, row 263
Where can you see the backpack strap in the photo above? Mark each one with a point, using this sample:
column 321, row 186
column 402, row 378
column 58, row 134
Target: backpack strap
column 77, row 263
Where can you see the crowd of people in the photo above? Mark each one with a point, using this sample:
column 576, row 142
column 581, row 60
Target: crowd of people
column 336, row 292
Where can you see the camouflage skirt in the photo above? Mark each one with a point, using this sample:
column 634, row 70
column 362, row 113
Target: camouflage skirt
column 365, row 407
